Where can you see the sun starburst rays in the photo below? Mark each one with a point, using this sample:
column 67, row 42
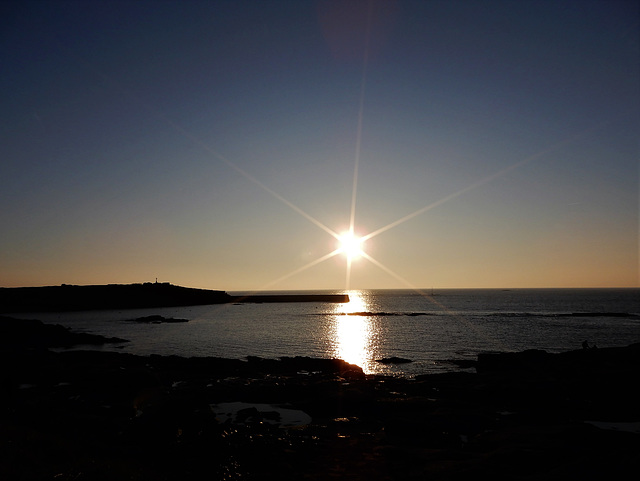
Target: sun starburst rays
column 350, row 244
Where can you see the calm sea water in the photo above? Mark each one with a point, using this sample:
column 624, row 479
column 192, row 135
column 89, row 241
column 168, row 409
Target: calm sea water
column 429, row 329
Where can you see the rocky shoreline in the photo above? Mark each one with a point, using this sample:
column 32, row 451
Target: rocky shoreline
column 91, row 415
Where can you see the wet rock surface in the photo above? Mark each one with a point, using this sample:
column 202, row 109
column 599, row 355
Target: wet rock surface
column 89, row 415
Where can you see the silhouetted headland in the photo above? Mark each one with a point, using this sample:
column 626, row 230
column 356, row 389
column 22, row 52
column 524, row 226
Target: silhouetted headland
column 131, row 296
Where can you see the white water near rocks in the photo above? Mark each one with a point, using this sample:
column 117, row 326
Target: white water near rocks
column 430, row 329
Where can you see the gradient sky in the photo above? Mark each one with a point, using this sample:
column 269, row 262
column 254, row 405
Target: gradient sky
column 214, row 144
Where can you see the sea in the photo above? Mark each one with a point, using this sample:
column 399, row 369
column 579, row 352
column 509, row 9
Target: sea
column 432, row 328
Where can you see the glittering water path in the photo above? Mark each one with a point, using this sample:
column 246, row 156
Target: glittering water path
column 453, row 324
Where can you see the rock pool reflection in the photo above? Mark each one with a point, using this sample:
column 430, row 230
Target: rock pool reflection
column 353, row 334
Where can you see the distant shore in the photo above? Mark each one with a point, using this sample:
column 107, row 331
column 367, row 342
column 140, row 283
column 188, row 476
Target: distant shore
column 105, row 416
column 133, row 296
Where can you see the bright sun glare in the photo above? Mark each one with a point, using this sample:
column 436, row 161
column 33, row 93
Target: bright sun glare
column 350, row 245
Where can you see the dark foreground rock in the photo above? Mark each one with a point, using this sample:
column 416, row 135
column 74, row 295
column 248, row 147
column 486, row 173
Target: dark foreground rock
column 111, row 416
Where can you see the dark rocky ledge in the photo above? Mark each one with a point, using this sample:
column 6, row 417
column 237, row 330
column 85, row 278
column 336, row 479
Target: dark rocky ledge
column 91, row 415
column 16, row 334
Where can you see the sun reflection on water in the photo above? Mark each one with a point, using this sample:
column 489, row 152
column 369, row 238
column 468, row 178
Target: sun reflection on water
column 354, row 334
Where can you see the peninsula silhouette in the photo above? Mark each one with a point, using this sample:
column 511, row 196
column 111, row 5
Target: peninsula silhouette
column 132, row 296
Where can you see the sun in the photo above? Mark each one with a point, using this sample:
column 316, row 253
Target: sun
column 350, row 245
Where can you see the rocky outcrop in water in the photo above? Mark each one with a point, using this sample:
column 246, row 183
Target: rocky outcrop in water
column 156, row 319
column 394, row 360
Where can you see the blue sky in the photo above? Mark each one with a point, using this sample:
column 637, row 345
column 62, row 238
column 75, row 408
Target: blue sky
column 214, row 144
